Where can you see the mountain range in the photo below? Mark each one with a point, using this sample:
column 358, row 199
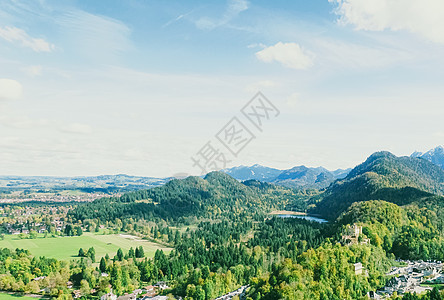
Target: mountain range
column 297, row 177
column 300, row 177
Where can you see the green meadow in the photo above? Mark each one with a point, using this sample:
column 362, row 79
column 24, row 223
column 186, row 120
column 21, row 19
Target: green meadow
column 5, row 296
column 65, row 248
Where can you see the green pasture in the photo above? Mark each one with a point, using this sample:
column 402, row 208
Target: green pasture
column 65, row 248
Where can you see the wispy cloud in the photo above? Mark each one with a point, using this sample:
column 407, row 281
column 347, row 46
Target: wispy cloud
column 19, row 36
column 290, row 55
column 233, row 9
column 95, row 35
column 425, row 17
column 178, row 18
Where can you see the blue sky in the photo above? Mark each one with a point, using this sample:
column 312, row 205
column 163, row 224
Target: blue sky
column 138, row 87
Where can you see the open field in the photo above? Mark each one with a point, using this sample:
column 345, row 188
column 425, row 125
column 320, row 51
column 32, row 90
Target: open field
column 5, row 296
column 64, row 248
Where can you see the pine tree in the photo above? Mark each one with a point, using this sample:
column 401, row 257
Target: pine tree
column 141, row 252
column 79, row 231
column 131, row 253
column 119, row 254
column 102, row 265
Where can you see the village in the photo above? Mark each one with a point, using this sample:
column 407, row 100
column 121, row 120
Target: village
column 27, row 220
column 415, row 277
column 52, row 197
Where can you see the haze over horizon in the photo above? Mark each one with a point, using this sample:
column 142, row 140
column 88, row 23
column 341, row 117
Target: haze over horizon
column 138, row 87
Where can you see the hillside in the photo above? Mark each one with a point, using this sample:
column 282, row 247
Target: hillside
column 383, row 176
column 193, row 197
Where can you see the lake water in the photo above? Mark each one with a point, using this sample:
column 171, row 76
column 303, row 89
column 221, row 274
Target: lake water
column 305, row 217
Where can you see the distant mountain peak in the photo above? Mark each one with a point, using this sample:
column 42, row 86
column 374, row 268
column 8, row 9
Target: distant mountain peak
column 381, row 154
column 435, row 155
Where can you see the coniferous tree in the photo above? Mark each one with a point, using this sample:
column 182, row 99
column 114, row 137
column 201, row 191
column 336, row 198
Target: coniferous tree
column 102, row 265
column 119, row 254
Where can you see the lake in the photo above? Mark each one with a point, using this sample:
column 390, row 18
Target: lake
column 305, row 217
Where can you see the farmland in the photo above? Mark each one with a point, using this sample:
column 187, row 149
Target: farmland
column 65, row 248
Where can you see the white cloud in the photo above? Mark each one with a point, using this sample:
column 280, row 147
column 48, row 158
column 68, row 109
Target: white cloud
column 290, row 55
column 17, row 35
column 10, row 89
column 234, row 8
column 77, row 128
column 425, row 17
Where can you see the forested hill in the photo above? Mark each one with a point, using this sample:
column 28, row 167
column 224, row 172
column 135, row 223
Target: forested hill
column 383, row 176
column 215, row 195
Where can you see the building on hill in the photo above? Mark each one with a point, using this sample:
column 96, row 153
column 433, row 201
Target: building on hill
column 358, row 268
column 353, row 235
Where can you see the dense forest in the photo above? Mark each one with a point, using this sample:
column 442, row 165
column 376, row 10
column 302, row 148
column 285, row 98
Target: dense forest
column 217, row 195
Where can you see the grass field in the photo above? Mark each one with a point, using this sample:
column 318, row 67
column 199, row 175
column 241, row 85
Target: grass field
column 65, row 248
column 4, row 296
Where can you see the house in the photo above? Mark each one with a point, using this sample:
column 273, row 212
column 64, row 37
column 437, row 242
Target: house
column 76, row 294
column 127, row 297
column 151, row 291
column 132, row 296
column 39, row 278
column 373, row 295
column 156, row 298
column 358, row 268
column 109, row 296
column 162, row 285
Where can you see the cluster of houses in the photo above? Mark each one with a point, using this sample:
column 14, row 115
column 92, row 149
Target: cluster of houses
column 37, row 227
column 411, row 279
column 23, row 220
column 150, row 292
column 239, row 292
